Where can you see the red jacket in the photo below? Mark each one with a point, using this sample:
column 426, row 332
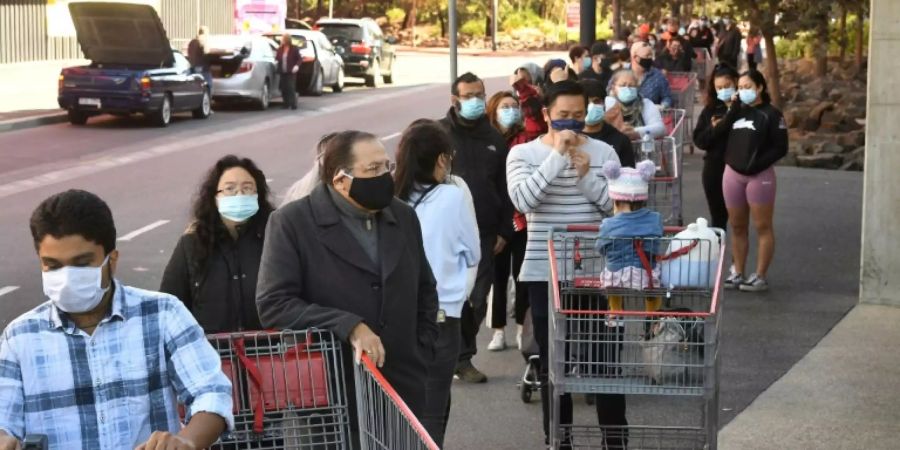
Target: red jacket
column 532, row 110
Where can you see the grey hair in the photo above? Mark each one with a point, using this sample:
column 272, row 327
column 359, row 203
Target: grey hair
column 619, row 74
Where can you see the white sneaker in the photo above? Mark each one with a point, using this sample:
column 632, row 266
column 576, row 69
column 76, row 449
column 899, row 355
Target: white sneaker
column 498, row 342
column 519, row 337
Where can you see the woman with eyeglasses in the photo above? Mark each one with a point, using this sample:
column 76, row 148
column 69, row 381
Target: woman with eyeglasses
column 452, row 247
column 629, row 112
column 214, row 266
column 506, row 116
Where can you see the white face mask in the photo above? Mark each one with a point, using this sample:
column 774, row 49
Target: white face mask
column 75, row 289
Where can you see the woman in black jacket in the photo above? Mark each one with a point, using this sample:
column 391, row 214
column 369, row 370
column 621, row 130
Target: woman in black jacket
column 214, row 266
column 711, row 135
column 757, row 139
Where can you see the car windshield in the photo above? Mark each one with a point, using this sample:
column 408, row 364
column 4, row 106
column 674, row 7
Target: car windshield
column 299, row 41
column 225, row 45
column 342, row 32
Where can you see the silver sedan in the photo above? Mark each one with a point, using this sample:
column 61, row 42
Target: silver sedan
column 243, row 68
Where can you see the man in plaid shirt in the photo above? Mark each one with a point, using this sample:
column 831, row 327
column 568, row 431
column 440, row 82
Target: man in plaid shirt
column 101, row 365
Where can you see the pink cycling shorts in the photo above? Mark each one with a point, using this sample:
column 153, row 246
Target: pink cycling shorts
column 741, row 190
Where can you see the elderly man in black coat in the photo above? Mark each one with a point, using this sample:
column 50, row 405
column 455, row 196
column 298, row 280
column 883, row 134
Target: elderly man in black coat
column 349, row 259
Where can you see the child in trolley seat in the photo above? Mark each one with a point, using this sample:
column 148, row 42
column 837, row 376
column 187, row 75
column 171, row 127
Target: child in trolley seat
column 625, row 266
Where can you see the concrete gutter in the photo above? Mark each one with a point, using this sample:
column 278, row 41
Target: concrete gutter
column 33, row 121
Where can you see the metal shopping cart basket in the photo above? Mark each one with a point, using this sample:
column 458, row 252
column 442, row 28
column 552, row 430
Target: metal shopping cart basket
column 288, row 390
column 684, row 91
column 702, row 65
column 665, row 189
column 676, row 124
column 385, row 422
column 648, row 327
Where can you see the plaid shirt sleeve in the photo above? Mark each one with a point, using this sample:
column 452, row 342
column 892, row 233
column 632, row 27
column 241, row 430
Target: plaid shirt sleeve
column 12, row 394
column 198, row 378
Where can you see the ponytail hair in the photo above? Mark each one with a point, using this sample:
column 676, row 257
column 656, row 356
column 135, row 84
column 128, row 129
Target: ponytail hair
column 760, row 81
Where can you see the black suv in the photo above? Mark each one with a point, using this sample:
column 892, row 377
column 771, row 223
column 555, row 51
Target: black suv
column 367, row 53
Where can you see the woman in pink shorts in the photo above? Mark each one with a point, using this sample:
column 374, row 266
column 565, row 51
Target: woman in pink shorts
column 757, row 140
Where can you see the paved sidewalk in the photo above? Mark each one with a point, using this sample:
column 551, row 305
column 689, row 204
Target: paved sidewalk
column 843, row 394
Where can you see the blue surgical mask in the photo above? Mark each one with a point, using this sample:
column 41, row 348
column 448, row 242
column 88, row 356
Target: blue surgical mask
column 587, row 63
column 509, row 117
column 471, row 109
column 725, row 94
column 595, row 114
column 567, row 124
column 627, row 95
column 748, row 96
column 238, row 208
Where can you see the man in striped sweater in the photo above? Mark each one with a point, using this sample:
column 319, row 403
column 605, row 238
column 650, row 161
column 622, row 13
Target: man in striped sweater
column 556, row 180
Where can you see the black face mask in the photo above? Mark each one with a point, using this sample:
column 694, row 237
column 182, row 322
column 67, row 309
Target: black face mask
column 646, row 63
column 374, row 193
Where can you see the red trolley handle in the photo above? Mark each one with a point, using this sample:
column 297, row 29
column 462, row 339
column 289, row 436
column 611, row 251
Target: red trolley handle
column 645, row 260
column 256, row 376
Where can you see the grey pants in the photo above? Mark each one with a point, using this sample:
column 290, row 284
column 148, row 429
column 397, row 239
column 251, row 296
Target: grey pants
column 475, row 310
column 440, row 380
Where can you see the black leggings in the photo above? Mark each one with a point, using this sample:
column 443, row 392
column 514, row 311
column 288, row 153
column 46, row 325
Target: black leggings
column 610, row 407
column 713, row 171
column 509, row 260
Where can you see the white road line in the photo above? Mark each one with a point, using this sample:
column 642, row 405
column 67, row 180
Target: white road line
column 142, row 230
column 391, row 136
column 7, row 289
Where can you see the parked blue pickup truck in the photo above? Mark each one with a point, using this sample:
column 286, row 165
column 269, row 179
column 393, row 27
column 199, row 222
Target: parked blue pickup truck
column 133, row 67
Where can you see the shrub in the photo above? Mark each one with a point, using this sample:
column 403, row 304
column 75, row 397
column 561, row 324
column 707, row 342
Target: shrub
column 473, row 28
column 395, row 15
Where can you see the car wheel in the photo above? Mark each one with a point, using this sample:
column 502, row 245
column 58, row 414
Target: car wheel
column 205, row 107
column 262, row 103
column 339, row 85
column 375, row 80
column 77, row 118
column 163, row 117
column 389, row 78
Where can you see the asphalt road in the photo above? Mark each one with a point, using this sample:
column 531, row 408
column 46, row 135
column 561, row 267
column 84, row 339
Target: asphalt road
column 149, row 175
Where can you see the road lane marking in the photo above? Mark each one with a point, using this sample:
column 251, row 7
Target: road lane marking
column 102, row 163
column 7, row 289
column 142, row 230
column 391, row 136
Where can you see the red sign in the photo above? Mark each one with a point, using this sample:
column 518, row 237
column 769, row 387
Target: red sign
column 573, row 15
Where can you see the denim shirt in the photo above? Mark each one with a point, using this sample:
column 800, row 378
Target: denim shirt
column 615, row 234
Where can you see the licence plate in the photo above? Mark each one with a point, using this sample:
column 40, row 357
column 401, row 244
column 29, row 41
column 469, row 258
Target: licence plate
column 95, row 102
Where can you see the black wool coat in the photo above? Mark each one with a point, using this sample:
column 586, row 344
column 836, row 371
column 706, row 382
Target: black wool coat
column 314, row 273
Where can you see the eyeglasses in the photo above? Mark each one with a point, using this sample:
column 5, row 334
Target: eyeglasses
column 231, row 191
column 376, row 169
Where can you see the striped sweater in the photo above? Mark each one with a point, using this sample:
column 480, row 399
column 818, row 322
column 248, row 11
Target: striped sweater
column 544, row 185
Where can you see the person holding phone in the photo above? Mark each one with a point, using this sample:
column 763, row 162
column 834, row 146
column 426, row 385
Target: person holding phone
column 711, row 135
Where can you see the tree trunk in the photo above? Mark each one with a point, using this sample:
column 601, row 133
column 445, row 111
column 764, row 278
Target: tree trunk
column 773, row 77
column 821, row 46
column 617, row 18
column 859, row 36
column 409, row 22
column 842, row 41
column 443, row 19
column 320, row 8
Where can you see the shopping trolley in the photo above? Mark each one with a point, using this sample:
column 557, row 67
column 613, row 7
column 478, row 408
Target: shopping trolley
column 665, row 188
column 649, row 330
column 684, row 91
column 385, row 422
column 675, row 121
column 288, row 390
column 703, row 65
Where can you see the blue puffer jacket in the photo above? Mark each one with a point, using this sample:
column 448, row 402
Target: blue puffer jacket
column 620, row 253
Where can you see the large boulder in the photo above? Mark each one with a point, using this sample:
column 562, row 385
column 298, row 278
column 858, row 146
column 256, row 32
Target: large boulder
column 829, row 147
column 820, row 161
column 855, row 160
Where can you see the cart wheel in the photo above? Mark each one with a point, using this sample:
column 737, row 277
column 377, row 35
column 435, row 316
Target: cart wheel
column 525, row 392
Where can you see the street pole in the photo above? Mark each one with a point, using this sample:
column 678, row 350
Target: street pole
column 199, row 20
column 588, row 29
column 452, row 20
column 330, row 9
column 494, row 25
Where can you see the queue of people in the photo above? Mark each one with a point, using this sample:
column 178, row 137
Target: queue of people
column 415, row 286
